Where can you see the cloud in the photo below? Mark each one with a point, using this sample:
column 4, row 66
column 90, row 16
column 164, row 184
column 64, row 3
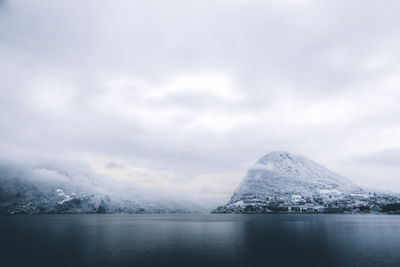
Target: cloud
column 385, row 157
column 199, row 88
column 113, row 164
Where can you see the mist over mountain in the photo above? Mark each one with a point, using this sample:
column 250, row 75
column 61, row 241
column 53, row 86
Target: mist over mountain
column 73, row 187
column 277, row 182
column 282, row 182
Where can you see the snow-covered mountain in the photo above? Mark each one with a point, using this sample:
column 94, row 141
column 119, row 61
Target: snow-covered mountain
column 280, row 181
column 73, row 187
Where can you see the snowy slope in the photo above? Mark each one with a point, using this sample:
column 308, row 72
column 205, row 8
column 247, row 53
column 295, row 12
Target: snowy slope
column 281, row 173
column 280, row 181
column 73, row 187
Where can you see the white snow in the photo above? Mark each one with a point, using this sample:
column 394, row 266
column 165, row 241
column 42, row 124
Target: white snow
column 239, row 203
column 268, row 166
column 284, row 174
column 330, row 191
column 56, row 182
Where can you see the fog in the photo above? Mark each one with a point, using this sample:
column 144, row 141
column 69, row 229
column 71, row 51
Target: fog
column 185, row 97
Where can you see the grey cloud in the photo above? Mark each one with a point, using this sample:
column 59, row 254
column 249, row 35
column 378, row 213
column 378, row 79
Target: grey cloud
column 384, row 157
column 312, row 80
column 113, row 165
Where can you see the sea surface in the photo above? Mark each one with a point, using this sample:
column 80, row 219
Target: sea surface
column 200, row 240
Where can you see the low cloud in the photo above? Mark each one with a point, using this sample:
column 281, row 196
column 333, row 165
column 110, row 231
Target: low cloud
column 201, row 89
column 384, row 157
column 113, row 164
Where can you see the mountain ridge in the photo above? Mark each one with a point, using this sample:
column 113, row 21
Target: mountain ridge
column 73, row 187
column 282, row 182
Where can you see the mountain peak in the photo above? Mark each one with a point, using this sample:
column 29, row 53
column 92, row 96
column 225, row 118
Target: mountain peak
column 284, row 179
column 283, row 182
column 278, row 156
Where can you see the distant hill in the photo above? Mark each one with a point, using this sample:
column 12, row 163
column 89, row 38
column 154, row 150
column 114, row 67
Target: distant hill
column 282, row 182
column 73, row 187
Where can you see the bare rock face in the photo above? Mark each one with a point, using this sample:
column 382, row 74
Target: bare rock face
column 282, row 182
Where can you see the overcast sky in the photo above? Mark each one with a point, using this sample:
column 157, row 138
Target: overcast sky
column 186, row 95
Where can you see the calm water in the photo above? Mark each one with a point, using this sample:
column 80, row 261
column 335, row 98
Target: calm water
column 200, row 240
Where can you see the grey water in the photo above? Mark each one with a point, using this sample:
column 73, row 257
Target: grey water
column 199, row 240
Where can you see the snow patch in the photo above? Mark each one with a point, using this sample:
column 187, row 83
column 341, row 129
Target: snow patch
column 330, row 191
column 239, row 203
column 267, row 166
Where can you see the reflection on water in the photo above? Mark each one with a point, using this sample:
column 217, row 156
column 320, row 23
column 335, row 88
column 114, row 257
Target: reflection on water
column 200, row 240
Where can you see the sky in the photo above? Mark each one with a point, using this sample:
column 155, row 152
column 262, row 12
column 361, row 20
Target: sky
column 184, row 96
